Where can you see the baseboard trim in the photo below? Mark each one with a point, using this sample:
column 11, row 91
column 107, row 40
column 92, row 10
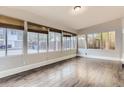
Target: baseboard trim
column 32, row 66
column 105, row 58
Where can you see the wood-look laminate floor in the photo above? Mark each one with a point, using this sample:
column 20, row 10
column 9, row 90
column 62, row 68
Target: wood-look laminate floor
column 75, row 72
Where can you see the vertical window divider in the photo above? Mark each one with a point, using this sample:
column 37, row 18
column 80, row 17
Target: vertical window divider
column 48, row 41
column 38, row 43
column 61, row 41
column 101, row 41
column 66, row 44
column 86, row 42
column 55, row 42
column 25, row 40
column 71, row 42
column 6, row 41
column 76, row 44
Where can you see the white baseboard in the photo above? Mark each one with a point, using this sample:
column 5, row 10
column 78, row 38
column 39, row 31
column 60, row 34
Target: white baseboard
column 32, row 66
column 122, row 60
column 105, row 58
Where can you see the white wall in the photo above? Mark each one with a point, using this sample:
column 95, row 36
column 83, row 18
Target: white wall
column 15, row 64
column 115, row 25
column 122, row 41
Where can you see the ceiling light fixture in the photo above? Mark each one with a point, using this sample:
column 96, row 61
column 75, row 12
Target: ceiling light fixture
column 77, row 8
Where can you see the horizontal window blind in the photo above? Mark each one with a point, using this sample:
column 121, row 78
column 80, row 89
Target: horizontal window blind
column 11, row 22
column 74, row 34
column 55, row 30
column 66, row 34
column 37, row 28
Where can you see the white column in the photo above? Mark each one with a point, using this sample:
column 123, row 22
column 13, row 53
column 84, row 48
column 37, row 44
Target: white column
column 122, row 53
column 25, row 41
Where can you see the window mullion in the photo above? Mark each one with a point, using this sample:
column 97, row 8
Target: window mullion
column 38, row 41
column 6, row 42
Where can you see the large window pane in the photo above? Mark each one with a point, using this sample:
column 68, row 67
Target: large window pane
column 75, row 42
column 58, row 41
column 90, row 41
column 68, row 43
column 72, row 42
column 51, row 41
column 14, row 42
column 64, row 43
column 32, row 42
column 105, row 40
column 2, row 41
column 112, row 40
column 82, row 41
column 97, row 40
column 42, row 42
column 54, row 41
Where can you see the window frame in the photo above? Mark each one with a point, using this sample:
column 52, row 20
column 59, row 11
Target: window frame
column 37, row 51
column 45, row 42
column 22, row 31
column 102, row 45
column 56, row 47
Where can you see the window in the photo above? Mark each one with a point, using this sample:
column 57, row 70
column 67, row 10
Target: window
column 108, row 40
column 51, row 41
column 112, row 40
column 13, row 33
column 90, row 39
column 11, row 44
column 42, row 42
column 104, row 40
column 72, row 42
column 14, row 42
column 32, row 42
column 66, row 42
column 58, row 41
column 75, row 42
column 2, row 41
column 54, row 41
column 82, row 41
column 97, row 40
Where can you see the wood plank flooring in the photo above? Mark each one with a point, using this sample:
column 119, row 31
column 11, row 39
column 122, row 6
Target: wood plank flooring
column 75, row 72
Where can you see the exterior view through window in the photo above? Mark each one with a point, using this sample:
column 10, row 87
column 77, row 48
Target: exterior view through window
column 75, row 42
column 103, row 40
column 90, row 41
column 58, row 41
column 11, row 41
column 82, row 41
column 2, row 41
column 42, row 42
column 54, row 41
column 14, row 42
column 51, row 41
column 32, row 42
column 66, row 42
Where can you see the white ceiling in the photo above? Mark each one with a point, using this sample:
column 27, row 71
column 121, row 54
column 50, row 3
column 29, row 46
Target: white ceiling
column 64, row 17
